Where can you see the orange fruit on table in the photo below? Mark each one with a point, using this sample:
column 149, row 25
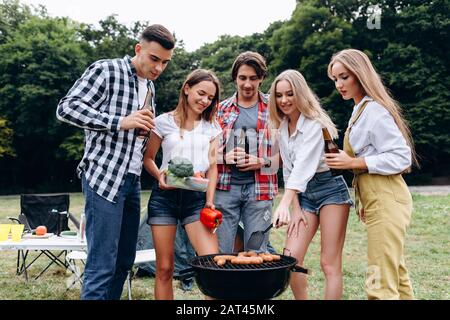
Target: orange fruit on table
column 41, row 230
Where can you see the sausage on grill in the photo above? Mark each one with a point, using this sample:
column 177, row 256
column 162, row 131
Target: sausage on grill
column 268, row 257
column 247, row 254
column 220, row 260
column 224, row 256
column 247, row 260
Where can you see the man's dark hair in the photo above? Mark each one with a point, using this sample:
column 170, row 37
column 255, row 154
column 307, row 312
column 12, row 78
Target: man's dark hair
column 160, row 34
column 252, row 59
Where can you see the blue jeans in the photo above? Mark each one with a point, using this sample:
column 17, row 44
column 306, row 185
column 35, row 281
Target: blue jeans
column 111, row 235
column 240, row 204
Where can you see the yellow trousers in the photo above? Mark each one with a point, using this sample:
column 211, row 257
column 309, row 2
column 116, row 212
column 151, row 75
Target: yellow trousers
column 387, row 204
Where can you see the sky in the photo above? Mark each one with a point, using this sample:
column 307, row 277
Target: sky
column 196, row 22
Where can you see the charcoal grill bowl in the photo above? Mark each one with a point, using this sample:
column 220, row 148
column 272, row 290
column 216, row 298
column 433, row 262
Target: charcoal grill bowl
column 264, row 281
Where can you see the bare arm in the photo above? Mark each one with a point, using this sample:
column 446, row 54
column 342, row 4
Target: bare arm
column 282, row 215
column 342, row 160
column 153, row 145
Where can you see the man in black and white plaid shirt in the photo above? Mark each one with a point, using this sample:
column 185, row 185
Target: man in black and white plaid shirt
column 107, row 102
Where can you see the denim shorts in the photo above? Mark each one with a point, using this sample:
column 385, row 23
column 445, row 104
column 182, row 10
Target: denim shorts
column 324, row 189
column 170, row 206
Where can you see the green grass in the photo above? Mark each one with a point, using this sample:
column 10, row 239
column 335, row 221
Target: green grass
column 427, row 258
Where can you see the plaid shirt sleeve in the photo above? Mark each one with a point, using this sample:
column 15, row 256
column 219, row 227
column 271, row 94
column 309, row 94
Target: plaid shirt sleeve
column 81, row 106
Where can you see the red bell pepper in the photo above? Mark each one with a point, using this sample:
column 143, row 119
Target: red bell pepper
column 211, row 218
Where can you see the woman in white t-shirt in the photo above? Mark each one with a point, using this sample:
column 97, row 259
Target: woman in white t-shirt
column 189, row 131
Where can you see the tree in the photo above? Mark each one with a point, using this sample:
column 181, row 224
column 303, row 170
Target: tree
column 6, row 134
column 111, row 40
column 416, row 70
column 12, row 14
column 306, row 43
column 220, row 55
column 39, row 61
column 169, row 84
column 409, row 49
column 41, row 57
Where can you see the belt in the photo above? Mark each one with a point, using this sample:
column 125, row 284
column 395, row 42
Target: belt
column 134, row 177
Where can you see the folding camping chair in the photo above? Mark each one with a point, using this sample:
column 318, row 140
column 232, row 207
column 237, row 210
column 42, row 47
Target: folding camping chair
column 43, row 209
column 77, row 270
column 142, row 257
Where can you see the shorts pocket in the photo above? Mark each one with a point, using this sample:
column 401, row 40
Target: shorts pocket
column 345, row 196
column 160, row 199
column 340, row 181
column 308, row 196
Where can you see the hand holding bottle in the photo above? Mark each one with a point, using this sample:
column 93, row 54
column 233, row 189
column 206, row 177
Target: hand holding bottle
column 148, row 105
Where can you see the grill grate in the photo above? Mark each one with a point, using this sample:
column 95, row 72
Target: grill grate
column 208, row 263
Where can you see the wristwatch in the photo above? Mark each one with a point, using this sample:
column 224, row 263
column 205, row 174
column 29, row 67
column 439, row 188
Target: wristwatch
column 267, row 162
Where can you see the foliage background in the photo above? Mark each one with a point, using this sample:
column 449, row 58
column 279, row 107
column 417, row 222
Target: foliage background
column 42, row 56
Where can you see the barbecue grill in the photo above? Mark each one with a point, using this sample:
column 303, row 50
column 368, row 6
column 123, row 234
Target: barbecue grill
column 240, row 281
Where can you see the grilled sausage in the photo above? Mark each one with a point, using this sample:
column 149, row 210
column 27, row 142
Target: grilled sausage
column 248, row 254
column 221, row 262
column 276, row 257
column 267, row 257
column 247, row 260
column 223, row 257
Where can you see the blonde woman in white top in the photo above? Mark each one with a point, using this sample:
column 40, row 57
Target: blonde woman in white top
column 317, row 197
column 378, row 148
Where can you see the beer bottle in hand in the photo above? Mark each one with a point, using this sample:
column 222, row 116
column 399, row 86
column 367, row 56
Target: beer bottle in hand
column 246, row 145
column 331, row 147
column 241, row 138
column 243, row 141
column 147, row 105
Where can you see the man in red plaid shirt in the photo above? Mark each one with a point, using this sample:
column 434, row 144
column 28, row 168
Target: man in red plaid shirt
column 248, row 156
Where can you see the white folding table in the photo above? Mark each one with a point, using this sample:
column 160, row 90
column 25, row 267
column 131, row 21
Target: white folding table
column 46, row 246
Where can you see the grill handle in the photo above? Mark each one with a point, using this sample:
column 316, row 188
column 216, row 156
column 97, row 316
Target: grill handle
column 300, row 269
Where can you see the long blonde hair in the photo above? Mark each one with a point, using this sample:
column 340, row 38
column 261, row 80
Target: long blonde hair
column 304, row 98
column 358, row 63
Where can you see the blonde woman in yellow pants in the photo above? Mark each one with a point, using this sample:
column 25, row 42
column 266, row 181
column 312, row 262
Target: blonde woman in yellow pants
column 378, row 148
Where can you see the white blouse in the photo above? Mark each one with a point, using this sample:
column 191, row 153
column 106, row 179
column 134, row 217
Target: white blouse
column 376, row 137
column 194, row 145
column 302, row 152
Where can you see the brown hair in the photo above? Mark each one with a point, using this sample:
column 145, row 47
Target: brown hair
column 252, row 59
column 160, row 34
column 192, row 79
